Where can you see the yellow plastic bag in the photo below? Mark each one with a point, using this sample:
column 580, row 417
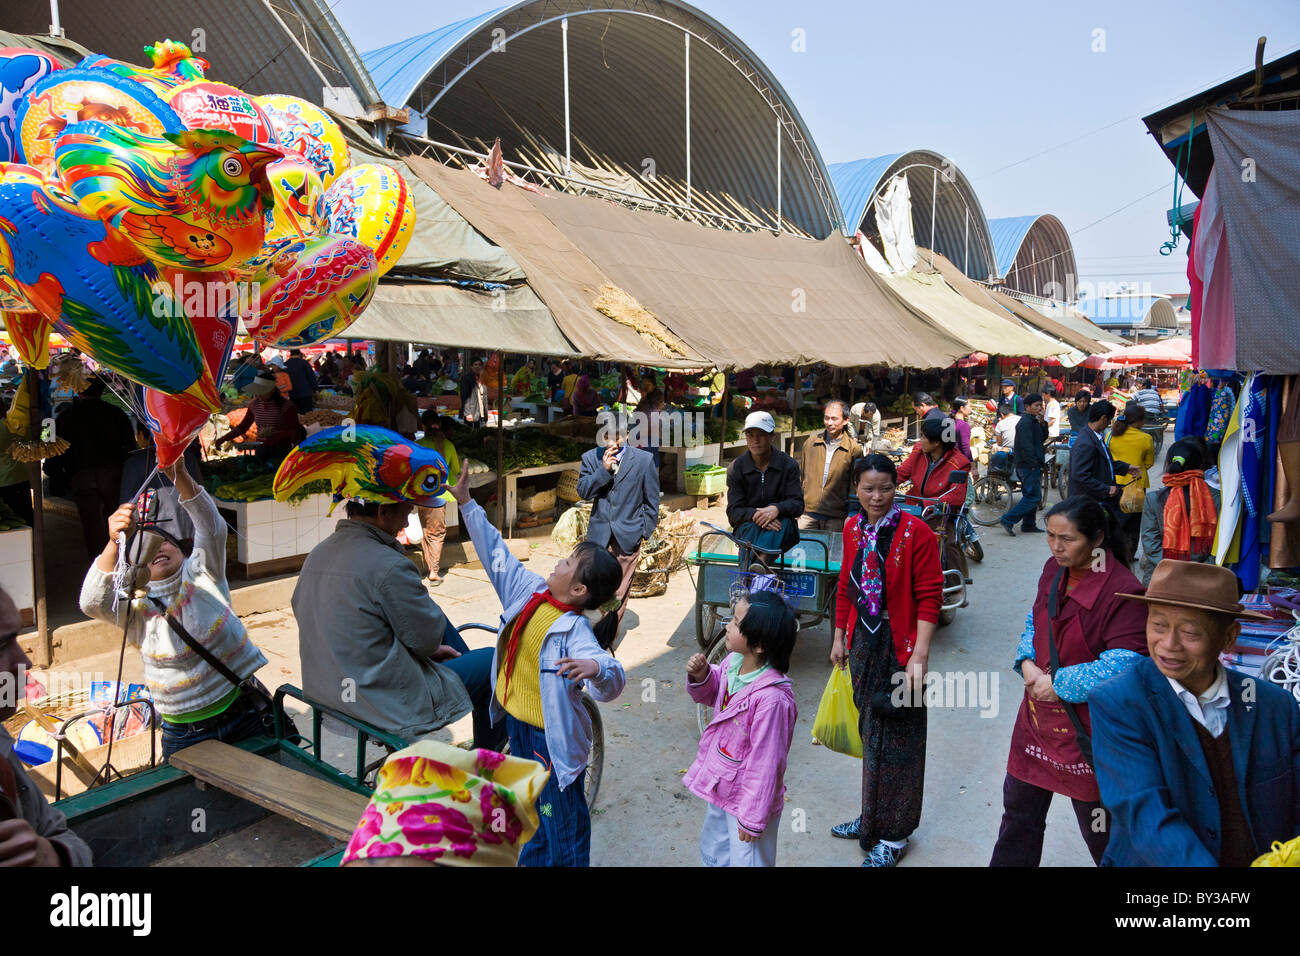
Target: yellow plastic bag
column 836, row 723
column 1282, row 854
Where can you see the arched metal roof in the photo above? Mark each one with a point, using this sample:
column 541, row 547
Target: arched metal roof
column 1035, row 255
column 289, row 46
column 501, row 72
column 1130, row 312
column 961, row 229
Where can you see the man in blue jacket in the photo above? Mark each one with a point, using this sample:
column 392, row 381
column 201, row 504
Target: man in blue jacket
column 1198, row 765
column 622, row 483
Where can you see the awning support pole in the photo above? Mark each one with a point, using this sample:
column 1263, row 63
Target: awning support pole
column 778, row 174
column 568, row 158
column 688, row 118
column 934, row 202
column 44, row 649
column 965, row 258
column 501, row 443
column 56, row 28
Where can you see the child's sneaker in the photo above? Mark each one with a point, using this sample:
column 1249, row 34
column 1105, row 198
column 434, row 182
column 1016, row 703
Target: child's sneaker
column 848, row 831
column 882, row 854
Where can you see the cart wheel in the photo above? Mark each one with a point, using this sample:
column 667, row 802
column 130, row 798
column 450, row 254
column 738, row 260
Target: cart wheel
column 707, row 622
column 974, row 550
column 595, row 759
column 703, row 712
column 990, row 500
column 1061, row 483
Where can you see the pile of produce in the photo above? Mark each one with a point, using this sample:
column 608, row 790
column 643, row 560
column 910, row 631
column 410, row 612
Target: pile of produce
column 9, row 521
column 472, row 466
column 325, row 417
column 523, row 448
column 713, row 429
column 902, row 405
column 260, row 487
column 809, row 418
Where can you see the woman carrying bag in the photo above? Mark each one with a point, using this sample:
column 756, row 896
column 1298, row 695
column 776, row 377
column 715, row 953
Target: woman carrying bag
column 890, row 590
column 1129, row 443
column 1078, row 634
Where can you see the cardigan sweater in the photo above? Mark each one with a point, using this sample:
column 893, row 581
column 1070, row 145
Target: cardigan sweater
column 913, row 581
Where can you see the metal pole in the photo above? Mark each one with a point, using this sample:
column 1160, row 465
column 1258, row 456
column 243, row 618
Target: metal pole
column 794, row 406
column 778, row 174
column 726, row 401
column 56, row 27
column 688, row 118
column 501, row 442
column 44, row 648
column 965, row 259
column 564, row 32
column 934, row 202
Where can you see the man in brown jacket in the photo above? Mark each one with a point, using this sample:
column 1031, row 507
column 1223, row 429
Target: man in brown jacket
column 826, row 461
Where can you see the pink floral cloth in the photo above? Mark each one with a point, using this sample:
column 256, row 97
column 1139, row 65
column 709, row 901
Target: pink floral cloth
column 451, row 806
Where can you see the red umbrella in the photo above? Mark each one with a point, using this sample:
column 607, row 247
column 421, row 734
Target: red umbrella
column 1170, row 353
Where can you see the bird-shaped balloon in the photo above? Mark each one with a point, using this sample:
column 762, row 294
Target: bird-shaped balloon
column 365, row 461
column 107, row 299
column 189, row 200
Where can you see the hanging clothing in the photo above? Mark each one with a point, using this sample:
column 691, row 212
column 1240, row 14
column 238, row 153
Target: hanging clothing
column 1214, row 323
column 1220, row 411
column 1227, row 535
column 1255, row 468
column 1193, row 413
column 1189, row 517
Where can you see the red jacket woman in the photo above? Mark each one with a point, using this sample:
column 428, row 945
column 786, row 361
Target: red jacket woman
column 913, row 582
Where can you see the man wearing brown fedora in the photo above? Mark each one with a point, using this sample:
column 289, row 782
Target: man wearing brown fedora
column 1198, row 765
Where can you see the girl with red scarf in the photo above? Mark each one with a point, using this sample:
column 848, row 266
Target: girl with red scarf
column 887, row 609
column 1179, row 520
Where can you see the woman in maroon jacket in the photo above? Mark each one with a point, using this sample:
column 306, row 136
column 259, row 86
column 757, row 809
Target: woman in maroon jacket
column 1097, row 636
column 930, row 467
column 888, row 605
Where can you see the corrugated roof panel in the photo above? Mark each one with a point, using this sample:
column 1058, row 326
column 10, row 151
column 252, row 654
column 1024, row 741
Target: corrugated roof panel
column 1125, row 311
column 855, row 182
column 627, row 97
column 938, row 189
column 246, row 45
column 399, row 67
column 1008, row 234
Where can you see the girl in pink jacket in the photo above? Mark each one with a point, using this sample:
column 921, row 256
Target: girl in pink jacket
column 740, row 767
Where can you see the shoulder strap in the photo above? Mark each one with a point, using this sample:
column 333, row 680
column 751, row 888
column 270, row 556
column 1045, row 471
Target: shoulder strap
column 1053, row 605
column 195, row 646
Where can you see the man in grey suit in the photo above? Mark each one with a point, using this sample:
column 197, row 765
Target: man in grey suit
column 623, row 485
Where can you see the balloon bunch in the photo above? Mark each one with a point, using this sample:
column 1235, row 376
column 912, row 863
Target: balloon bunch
column 146, row 211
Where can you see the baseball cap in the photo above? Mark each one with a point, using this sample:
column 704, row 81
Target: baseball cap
column 760, row 420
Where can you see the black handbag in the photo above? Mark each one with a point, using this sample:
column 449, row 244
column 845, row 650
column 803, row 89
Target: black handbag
column 251, row 690
column 1053, row 604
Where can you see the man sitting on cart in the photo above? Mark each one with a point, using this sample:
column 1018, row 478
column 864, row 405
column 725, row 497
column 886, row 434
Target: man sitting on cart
column 764, row 490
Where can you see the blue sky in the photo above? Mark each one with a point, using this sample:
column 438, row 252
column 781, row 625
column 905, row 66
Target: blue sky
column 1011, row 91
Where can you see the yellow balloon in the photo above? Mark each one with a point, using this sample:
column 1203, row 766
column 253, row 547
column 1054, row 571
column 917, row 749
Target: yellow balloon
column 372, row 204
column 299, row 210
column 310, row 132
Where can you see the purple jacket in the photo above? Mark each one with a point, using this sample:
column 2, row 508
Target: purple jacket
column 740, row 767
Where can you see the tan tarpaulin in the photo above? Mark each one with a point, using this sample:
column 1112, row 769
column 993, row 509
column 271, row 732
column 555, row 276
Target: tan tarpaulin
column 1001, row 304
column 981, row 330
column 1050, row 326
column 512, row 319
column 738, row 299
column 563, row 277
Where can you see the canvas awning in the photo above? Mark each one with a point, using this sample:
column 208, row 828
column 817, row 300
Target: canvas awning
column 979, row 328
column 734, row 299
column 513, row 319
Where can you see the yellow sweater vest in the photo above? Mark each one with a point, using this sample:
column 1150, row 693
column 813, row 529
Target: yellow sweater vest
column 522, row 699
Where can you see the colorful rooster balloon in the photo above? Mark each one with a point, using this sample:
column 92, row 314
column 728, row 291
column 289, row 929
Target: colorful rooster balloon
column 190, row 200
column 99, row 291
column 365, row 461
